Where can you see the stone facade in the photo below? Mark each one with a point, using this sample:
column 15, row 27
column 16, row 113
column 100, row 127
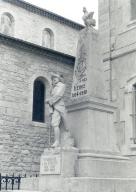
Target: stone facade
column 23, row 140
column 34, row 20
column 118, row 29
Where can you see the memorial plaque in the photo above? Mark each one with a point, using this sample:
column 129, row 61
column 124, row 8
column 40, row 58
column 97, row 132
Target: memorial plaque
column 50, row 165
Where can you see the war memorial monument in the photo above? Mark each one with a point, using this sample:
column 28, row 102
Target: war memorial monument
column 84, row 156
column 68, row 98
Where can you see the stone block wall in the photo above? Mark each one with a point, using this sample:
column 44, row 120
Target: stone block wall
column 123, row 80
column 21, row 140
column 118, row 37
column 117, row 33
column 104, row 40
column 29, row 27
column 118, row 41
column 114, row 19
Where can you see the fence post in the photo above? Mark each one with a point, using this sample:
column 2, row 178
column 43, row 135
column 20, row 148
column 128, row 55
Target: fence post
column 19, row 180
column 6, row 179
column 12, row 181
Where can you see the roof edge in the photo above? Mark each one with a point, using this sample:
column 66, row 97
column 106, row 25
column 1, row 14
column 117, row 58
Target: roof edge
column 45, row 13
column 49, row 53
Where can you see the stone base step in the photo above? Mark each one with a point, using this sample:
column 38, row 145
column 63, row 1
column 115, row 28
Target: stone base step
column 84, row 184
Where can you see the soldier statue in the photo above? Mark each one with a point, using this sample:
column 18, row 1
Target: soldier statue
column 57, row 107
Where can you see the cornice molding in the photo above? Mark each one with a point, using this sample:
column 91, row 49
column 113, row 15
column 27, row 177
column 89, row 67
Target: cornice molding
column 49, row 53
column 87, row 102
column 45, row 13
column 119, row 54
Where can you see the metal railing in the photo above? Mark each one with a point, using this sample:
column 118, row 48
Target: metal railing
column 10, row 182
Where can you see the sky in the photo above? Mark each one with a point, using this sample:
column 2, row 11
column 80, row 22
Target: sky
column 71, row 9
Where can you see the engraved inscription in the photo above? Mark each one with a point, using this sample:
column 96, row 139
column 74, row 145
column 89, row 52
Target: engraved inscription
column 50, row 165
column 80, row 84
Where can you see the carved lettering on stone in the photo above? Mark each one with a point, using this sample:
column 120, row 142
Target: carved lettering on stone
column 50, row 165
column 79, row 87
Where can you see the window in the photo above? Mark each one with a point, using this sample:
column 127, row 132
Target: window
column 7, row 24
column 39, row 101
column 48, row 38
column 133, row 9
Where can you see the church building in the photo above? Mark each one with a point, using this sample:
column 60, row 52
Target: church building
column 33, row 43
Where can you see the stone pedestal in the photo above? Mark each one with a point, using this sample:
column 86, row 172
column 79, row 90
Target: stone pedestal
column 57, row 164
column 100, row 185
column 91, row 123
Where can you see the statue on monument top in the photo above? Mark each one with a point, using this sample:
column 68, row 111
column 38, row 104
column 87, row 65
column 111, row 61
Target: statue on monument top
column 88, row 18
column 58, row 111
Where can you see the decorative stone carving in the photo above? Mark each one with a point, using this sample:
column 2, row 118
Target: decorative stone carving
column 88, row 18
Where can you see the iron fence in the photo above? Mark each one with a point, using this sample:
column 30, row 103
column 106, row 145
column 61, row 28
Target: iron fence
column 11, row 182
